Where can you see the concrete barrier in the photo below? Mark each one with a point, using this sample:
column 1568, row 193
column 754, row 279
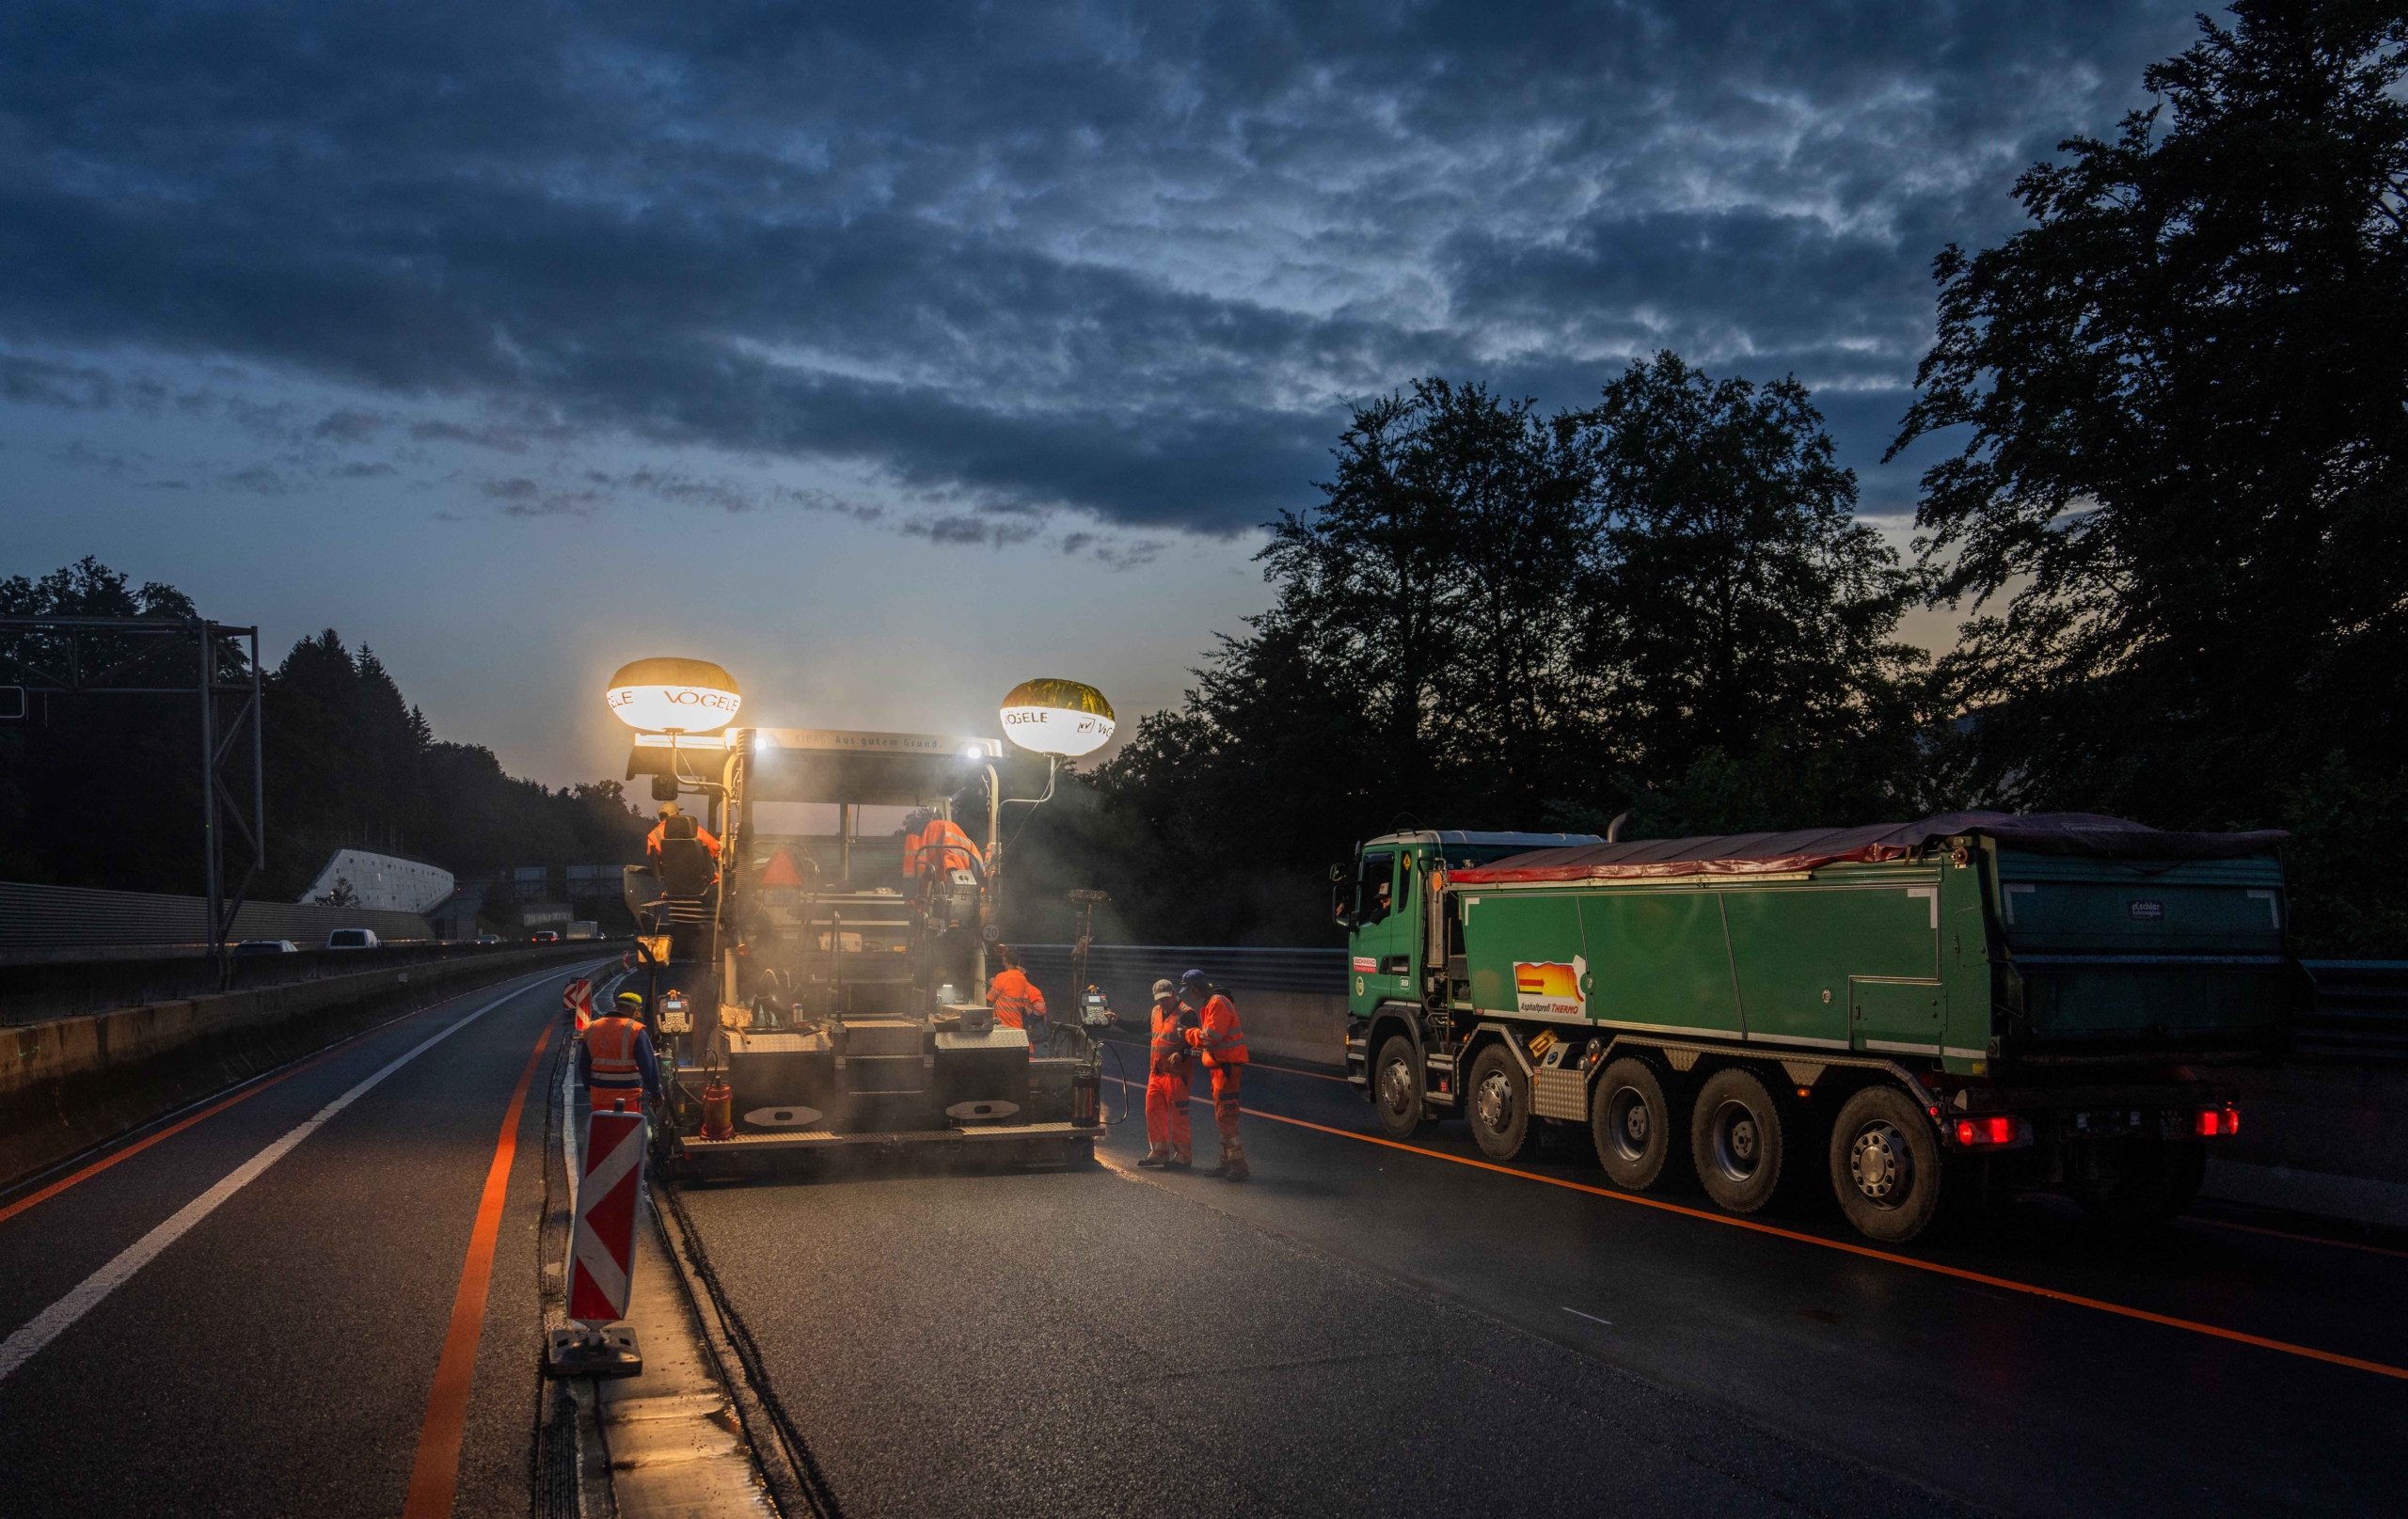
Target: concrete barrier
column 73, row 1082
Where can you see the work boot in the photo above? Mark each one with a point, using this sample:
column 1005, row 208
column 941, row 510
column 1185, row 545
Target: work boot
column 1155, row 1159
column 1236, row 1170
column 1220, row 1170
column 1179, row 1161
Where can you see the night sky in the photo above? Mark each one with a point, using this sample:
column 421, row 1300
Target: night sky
column 891, row 354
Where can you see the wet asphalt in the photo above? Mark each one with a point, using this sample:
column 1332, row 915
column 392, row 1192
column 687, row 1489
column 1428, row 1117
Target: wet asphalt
column 1362, row 1329
column 276, row 1359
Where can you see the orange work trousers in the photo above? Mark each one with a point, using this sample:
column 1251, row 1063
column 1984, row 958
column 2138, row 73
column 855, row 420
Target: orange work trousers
column 1169, row 1131
column 1224, row 1110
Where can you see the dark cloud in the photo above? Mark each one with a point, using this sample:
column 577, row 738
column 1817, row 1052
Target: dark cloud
column 1128, row 263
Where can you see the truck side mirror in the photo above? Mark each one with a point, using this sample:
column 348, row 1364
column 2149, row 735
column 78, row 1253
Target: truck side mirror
column 664, row 788
column 1339, row 912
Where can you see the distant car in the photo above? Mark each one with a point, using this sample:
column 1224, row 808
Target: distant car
column 488, row 938
column 544, row 936
column 354, row 938
column 249, row 947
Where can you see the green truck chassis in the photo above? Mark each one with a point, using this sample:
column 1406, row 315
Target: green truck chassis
column 1979, row 1011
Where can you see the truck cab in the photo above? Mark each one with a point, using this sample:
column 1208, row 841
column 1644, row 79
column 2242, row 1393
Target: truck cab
column 1385, row 901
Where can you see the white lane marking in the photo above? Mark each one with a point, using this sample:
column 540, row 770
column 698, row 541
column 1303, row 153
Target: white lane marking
column 54, row 1320
column 1591, row 1316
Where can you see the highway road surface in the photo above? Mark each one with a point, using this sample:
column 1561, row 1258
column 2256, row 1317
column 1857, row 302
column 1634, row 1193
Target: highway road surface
column 1369, row 1329
column 318, row 1295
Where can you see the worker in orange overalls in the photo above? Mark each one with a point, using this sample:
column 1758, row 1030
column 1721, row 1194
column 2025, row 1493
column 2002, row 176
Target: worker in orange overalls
column 1014, row 997
column 652, row 841
column 614, row 1059
column 939, row 849
column 1169, row 1081
column 1222, row 1043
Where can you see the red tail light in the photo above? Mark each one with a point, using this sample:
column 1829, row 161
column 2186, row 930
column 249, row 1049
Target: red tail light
column 1995, row 1130
column 2218, row 1123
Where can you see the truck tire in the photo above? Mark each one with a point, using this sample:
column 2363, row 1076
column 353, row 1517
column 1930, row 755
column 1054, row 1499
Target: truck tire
column 2158, row 1181
column 1498, row 1103
column 1735, row 1140
column 1886, row 1165
column 1396, row 1087
column 1632, row 1124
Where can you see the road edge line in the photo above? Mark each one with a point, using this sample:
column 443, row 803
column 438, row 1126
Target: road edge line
column 1868, row 1252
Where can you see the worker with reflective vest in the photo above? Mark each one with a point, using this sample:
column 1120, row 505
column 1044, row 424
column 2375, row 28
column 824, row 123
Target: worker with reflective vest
column 614, row 1059
column 1169, row 1082
column 1014, row 997
column 1222, row 1043
column 576, row 1004
column 659, row 833
column 939, row 849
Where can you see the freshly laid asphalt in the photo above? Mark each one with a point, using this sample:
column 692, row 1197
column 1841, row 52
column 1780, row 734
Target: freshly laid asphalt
column 1365, row 1329
column 278, row 1358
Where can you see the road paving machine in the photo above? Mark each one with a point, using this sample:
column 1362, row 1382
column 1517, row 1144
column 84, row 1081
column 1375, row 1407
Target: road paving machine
column 818, row 997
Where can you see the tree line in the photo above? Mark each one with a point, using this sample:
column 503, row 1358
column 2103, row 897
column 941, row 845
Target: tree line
column 2177, row 402
column 104, row 791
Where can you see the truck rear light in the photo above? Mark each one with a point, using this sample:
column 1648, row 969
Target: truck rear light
column 2218, row 1123
column 1991, row 1132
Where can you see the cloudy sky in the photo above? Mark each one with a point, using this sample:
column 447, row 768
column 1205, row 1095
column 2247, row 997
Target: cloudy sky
column 891, row 353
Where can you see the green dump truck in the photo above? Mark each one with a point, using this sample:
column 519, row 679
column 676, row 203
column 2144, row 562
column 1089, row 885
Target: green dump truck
column 1937, row 1012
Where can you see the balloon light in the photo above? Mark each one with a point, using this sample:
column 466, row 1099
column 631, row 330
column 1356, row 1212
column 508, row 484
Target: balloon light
column 673, row 696
column 1062, row 717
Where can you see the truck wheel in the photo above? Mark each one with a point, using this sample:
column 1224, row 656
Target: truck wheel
column 1632, row 1124
column 1498, row 1105
column 1735, row 1137
column 1396, row 1087
column 2158, row 1181
column 1886, row 1165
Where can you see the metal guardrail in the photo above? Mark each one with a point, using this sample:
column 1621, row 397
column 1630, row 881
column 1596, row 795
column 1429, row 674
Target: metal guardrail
column 35, row 993
column 1313, row 972
column 2361, row 1011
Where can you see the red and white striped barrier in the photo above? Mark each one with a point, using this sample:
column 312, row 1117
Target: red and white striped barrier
column 602, row 1245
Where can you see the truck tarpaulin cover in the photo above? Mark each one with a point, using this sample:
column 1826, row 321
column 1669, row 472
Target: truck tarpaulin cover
column 1761, row 854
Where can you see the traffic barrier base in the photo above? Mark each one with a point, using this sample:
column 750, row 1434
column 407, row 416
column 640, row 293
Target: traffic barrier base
column 581, row 1351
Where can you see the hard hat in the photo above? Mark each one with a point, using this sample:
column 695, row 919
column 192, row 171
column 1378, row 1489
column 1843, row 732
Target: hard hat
column 1193, row 978
column 1164, row 988
column 667, row 809
column 636, row 997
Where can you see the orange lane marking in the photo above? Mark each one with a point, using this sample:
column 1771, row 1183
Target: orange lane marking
column 436, row 1474
column 2312, row 1353
column 2252, row 1228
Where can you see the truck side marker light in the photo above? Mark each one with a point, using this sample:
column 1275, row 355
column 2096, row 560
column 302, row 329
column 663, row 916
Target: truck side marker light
column 1867, row 1252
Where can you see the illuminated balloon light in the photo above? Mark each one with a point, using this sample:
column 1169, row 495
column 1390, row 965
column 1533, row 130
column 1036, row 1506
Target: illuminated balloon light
column 673, row 696
column 1062, row 717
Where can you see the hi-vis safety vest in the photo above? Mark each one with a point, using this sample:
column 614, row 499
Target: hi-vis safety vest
column 1221, row 1040
column 1170, row 1044
column 939, row 847
column 610, row 1044
column 1015, row 999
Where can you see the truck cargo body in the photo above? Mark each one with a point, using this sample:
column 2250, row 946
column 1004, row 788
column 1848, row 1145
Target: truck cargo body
column 2037, row 1000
